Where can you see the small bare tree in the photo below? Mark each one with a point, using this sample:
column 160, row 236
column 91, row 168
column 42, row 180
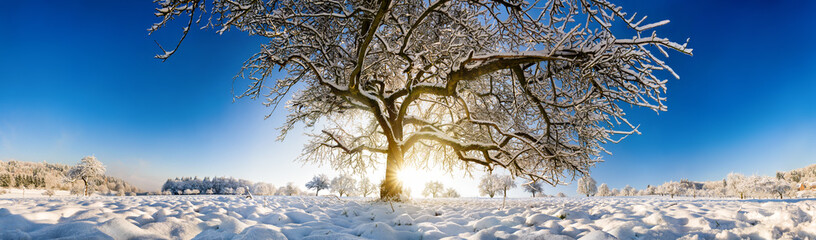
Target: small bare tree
column 534, row 87
column 533, row 187
column 87, row 170
column 365, row 187
column 433, row 188
column 505, row 183
column 343, row 185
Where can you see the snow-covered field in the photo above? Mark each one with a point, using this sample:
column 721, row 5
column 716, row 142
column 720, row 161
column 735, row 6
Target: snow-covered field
column 232, row 217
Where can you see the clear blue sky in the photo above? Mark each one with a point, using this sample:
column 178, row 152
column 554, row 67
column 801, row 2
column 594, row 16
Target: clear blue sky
column 78, row 78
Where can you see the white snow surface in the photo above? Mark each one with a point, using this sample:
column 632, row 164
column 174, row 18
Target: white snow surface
column 278, row 217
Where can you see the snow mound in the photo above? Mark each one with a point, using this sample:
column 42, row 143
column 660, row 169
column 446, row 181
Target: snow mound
column 375, row 230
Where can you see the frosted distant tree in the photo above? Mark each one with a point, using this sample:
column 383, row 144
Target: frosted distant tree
column 488, row 185
column 318, row 183
column 628, row 191
column 738, row 184
column 615, row 192
column 433, row 188
column 772, row 186
column 261, row 188
column 603, row 190
column 671, row 188
column 651, row 190
column 587, row 186
column 503, row 184
column 343, row 185
column 365, row 187
column 450, row 193
column 533, row 187
column 534, row 87
column 715, row 188
column 561, row 195
column 87, row 170
column 290, row 189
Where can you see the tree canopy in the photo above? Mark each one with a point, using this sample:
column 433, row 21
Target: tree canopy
column 534, row 87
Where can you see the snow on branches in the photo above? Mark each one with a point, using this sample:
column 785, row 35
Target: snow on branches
column 343, row 185
column 318, row 183
column 87, row 170
column 532, row 87
column 587, row 186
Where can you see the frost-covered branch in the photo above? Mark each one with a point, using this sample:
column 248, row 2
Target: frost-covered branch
column 534, row 87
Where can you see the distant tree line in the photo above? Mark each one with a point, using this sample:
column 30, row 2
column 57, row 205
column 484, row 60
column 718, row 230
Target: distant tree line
column 55, row 176
column 221, row 186
column 734, row 185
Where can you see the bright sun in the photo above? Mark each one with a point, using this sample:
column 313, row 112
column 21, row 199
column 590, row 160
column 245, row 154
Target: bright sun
column 410, row 175
column 415, row 179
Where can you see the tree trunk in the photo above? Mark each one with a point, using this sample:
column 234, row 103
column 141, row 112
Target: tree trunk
column 86, row 186
column 504, row 200
column 392, row 188
column 316, row 192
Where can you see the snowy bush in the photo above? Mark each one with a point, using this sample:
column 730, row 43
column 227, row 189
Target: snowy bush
column 48, row 193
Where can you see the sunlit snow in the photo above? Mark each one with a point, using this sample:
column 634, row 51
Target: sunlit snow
column 235, row 217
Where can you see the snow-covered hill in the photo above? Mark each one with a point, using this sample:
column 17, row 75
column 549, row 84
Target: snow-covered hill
column 232, row 217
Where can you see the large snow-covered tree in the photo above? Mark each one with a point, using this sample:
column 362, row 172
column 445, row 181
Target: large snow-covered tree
column 587, row 186
column 534, row 87
column 318, row 183
column 87, row 170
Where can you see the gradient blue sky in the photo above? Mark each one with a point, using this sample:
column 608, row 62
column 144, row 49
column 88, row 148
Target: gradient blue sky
column 78, row 78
